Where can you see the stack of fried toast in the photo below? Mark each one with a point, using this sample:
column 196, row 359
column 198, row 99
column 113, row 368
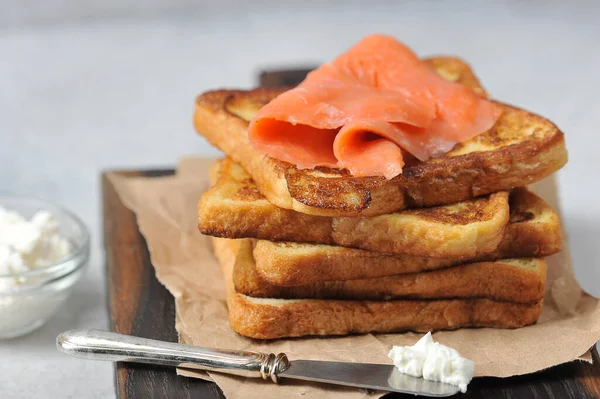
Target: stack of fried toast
column 455, row 241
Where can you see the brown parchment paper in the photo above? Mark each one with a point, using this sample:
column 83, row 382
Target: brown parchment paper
column 166, row 212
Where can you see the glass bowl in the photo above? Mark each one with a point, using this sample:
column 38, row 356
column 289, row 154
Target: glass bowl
column 28, row 299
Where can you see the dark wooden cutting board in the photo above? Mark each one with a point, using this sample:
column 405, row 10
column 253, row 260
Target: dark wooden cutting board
column 139, row 305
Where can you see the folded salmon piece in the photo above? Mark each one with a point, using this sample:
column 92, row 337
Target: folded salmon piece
column 364, row 109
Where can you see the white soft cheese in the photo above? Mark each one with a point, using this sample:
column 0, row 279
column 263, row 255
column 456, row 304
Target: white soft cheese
column 433, row 361
column 29, row 244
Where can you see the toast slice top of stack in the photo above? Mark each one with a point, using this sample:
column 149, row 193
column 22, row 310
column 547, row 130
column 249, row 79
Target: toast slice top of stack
column 235, row 208
column 519, row 149
column 270, row 318
column 511, row 280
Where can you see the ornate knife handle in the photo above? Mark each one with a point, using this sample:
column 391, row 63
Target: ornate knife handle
column 103, row 345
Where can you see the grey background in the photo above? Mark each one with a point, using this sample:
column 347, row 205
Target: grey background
column 88, row 85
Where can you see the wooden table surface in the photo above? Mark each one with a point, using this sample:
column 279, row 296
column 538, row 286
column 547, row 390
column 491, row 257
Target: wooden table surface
column 139, row 305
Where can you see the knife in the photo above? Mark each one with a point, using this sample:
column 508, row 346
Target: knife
column 103, row 345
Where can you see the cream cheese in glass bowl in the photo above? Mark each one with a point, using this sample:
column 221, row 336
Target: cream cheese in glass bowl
column 43, row 252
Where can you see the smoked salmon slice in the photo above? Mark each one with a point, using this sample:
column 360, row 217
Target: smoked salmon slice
column 362, row 110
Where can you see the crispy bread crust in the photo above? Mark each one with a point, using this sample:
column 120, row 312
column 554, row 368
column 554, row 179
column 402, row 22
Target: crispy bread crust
column 520, row 149
column 322, row 317
column 510, row 280
column 234, row 208
column 534, row 231
column 288, row 264
column 278, row 318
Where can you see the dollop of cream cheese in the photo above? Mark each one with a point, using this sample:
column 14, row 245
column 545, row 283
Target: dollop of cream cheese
column 433, row 361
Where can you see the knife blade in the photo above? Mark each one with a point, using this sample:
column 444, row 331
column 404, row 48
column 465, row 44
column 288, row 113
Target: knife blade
column 103, row 345
column 379, row 377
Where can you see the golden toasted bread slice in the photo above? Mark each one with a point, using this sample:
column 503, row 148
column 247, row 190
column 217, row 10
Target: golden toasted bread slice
column 234, row 208
column 510, row 280
column 270, row 318
column 533, row 231
column 521, row 148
